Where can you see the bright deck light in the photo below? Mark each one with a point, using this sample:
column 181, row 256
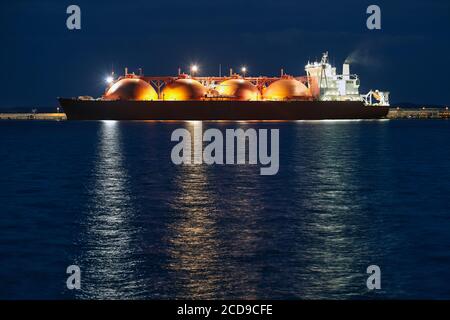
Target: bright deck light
column 244, row 70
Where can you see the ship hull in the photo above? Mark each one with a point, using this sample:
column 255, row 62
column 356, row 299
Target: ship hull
column 219, row 110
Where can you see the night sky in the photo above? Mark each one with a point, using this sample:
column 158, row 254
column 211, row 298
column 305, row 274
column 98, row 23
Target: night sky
column 41, row 59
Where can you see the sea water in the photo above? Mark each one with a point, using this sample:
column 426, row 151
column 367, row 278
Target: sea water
column 105, row 196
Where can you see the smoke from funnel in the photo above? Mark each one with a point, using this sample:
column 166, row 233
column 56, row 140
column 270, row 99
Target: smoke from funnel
column 362, row 56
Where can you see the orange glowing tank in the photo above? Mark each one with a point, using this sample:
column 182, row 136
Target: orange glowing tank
column 131, row 89
column 184, row 89
column 286, row 88
column 239, row 89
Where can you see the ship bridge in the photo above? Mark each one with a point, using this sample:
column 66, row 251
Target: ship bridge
column 328, row 85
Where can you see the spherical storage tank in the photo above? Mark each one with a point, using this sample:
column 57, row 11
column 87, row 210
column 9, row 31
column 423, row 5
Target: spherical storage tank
column 131, row 89
column 184, row 89
column 286, row 88
column 239, row 89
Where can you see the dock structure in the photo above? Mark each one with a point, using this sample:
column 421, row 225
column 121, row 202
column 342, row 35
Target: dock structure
column 33, row 116
column 421, row 113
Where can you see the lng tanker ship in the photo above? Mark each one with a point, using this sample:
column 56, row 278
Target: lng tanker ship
column 321, row 94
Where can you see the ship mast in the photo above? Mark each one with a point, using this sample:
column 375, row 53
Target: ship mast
column 323, row 75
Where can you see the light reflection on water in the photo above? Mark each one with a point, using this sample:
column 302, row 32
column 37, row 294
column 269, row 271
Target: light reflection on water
column 333, row 217
column 193, row 244
column 218, row 246
column 108, row 263
column 206, row 239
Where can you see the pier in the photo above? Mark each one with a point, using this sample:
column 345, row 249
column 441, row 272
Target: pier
column 33, row 116
column 421, row 113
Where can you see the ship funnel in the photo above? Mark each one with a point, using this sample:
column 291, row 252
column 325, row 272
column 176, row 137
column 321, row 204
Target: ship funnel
column 346, row 70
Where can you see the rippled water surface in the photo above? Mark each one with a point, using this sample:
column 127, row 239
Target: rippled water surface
column 106, row 197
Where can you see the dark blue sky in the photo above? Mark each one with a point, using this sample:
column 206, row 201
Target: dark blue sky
column 41, row 59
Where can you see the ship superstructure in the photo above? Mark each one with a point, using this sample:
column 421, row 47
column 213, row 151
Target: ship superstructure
column 330, row 86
